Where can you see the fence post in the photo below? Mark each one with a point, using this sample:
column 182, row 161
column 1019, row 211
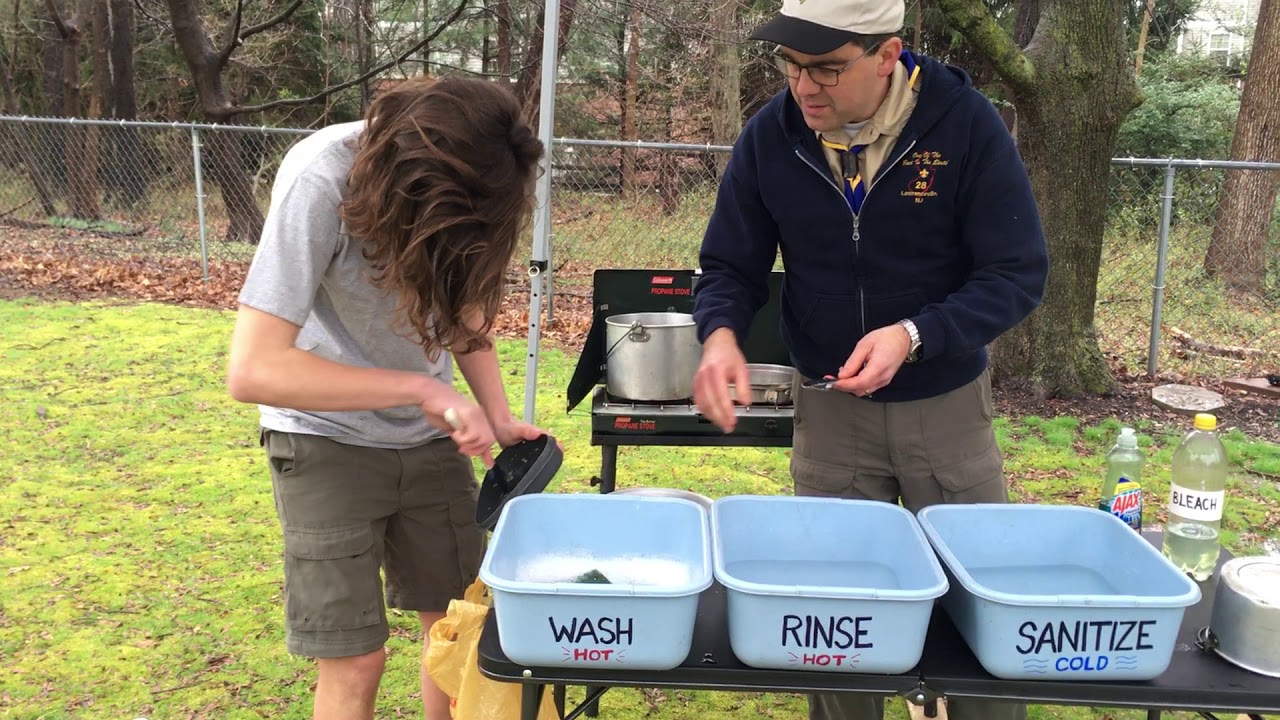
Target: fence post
column 1162, row 261
column 204, row 244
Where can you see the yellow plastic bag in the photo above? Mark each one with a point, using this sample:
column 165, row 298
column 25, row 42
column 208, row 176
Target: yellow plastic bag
column 452, row 662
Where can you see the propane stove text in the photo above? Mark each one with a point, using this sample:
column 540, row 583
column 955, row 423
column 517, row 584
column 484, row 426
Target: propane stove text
column 626, row 423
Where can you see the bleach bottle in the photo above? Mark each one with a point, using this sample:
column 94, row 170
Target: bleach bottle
column 1122, row 488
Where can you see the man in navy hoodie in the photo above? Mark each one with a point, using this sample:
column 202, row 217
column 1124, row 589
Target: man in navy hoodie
column 909, row 239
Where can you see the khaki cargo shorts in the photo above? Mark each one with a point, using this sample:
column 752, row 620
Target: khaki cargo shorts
column 922, row 452
column 348, row 512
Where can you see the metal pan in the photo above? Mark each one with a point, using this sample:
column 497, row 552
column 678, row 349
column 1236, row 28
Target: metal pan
column 702, row 500
column 1245, row 625
column 770, row 384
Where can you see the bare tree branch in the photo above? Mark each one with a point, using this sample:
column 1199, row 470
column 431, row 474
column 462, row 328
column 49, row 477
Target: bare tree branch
column 447, row 66
column 294, row 102
column 973, row 19
column 158, row 21
column 17, row 28
column 268, row 24
column 231, row 37
column 63, row 29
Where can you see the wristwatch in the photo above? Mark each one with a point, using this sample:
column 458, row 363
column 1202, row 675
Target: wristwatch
column 914, row 353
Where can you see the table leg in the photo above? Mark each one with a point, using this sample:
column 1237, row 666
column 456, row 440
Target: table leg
column 530, row 698
column 1153, row 715
column 592, row 705
column 608, row 468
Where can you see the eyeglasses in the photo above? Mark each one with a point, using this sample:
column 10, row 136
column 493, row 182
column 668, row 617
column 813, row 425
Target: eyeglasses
column 820, row 75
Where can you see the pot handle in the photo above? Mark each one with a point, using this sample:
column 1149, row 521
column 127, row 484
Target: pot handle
column 636, row 333
column 1205, row 639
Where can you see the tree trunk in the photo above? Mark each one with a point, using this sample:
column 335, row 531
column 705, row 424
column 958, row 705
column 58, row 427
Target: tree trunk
column 503, row 12
column 364, row 51
column 221, row 152
column 129, row 162
column 668, row 166
column 1142, row 36
column 1073, row 87
column 221, row 158
column 52, row 74
column 1238, row 250
column 1025, row 21
column 101, row 54
column 80, row 178
column 124, row 99
column 725, row 80
column 529, row 87
column 916, row 41
column 630, row 101
column 15, row 141
column 50, row 140
column 486, row 47
column 100, row 94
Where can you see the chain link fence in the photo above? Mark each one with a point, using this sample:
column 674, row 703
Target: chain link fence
column 198, row 193
column 134, row 188
column 1171, row 257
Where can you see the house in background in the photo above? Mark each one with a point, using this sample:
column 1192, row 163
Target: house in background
column 1220, row 28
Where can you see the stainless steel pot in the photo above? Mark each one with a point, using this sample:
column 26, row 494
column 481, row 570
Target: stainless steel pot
column 652, row 356
column 1245, row 625
column 770, row 384
column 702, row 500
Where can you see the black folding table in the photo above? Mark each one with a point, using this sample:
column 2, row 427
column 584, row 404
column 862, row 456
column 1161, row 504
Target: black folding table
column 1196, row 679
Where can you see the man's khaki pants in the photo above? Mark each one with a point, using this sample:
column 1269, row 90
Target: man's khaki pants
column 923, row 452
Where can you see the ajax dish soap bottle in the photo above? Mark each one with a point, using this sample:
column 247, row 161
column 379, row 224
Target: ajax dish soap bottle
column 1122, row 489
column 1196, row 494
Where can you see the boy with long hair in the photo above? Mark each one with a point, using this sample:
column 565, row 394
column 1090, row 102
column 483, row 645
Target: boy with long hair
column 382, row 260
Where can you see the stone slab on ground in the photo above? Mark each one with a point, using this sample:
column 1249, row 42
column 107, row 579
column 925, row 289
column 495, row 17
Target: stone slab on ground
column 1187, row 399
column 1257, row 386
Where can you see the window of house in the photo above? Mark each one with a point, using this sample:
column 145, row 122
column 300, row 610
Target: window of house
column 1220, row 45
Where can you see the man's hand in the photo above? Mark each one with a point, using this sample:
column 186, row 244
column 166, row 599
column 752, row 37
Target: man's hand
column 465, row 421
column 722, row 364
column 875, row 360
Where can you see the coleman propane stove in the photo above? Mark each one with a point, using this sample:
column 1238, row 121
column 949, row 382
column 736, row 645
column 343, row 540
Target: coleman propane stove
column 620, row 421
column 619, row 416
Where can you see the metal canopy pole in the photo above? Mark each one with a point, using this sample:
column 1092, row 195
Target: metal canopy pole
column 542, row 212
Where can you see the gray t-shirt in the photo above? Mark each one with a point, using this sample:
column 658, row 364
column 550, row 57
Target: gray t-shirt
column 307, row 270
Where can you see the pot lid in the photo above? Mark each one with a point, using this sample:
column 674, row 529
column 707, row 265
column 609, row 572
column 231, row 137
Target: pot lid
column 1256, row 578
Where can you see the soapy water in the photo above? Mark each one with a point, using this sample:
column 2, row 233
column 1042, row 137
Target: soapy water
column 621, row 570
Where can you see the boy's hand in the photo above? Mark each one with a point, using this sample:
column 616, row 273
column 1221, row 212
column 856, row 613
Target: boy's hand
column 468, row 427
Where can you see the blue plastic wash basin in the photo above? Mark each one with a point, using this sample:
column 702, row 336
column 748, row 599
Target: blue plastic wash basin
column 1057, row 592
column 654, row 552
column 824, row 584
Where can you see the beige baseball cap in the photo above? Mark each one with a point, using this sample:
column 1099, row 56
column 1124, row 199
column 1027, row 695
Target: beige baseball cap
column 816, row 27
